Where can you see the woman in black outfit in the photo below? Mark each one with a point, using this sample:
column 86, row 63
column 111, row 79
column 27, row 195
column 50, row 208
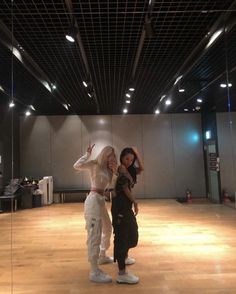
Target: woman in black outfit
column 124, row 210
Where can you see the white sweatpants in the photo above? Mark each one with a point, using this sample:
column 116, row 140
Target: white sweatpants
column 98, row 226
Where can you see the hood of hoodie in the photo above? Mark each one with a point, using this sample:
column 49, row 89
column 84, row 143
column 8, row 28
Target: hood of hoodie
column 103, row 156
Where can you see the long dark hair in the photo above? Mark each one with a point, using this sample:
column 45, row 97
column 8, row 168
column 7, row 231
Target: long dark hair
column 131, row 168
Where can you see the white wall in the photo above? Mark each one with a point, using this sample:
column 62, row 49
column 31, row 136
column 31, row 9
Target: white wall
column 170, row 145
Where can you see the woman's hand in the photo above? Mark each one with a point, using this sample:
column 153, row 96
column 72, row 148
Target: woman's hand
column 90, row 148
column 135, row 150
column 135, row 208
column 112, row 165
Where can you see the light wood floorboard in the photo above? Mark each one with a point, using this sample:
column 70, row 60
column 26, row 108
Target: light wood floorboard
column 182, row 249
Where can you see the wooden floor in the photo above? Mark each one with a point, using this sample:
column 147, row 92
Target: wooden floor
column 182, row 249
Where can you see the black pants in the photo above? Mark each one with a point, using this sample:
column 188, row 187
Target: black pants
column 125, row 236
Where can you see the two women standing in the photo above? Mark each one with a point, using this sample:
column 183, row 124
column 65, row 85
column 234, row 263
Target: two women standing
column 104, row 172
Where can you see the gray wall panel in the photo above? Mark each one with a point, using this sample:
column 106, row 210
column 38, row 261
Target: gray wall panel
column 158, row 156
column 50, row 145
column 66, row 148
column 188, row 154
column 35, row 142
column 227, row 145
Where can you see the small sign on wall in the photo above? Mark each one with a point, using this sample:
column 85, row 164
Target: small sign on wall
column 214, row 162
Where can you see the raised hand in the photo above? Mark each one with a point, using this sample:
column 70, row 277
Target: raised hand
column 113, row 167
column 90, row 148
column 135, row 150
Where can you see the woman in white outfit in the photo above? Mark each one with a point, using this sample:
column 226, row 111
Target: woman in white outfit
column 103, row 172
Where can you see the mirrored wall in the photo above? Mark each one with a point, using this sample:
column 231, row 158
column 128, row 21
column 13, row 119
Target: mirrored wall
column 207, row 90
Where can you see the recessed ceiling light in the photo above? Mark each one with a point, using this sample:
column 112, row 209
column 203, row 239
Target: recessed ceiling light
column 131, row 89
column 85, row 84
column 11, row 104
column 128, row 95
column 125, row 110
column 185, row 109
column 157, row 111
column 1, row 89
column 199, row 100
column 168, row 102
column 32, row 107
column 223, row 85
column 27, row 113
column 70, row 38
column 127, row 101
column 181, row 90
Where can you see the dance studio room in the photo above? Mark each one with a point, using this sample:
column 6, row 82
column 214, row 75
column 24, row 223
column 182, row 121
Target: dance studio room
column 117, row 146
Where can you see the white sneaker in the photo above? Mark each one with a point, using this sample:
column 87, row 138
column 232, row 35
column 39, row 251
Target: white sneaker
column 127, row 279
column 129, row 261
column 99, row 277
column 105, row 259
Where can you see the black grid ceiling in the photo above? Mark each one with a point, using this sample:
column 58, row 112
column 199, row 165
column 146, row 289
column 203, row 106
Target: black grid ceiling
column 110, row 32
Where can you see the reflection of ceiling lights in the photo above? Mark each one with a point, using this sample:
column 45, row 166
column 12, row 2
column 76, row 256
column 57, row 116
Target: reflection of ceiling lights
column 131, row 89
column 177, row 80
column 197, row 108
column 27, row 113
column 181, row 90
column 125, row 110
column 128, row 95
column 17, row 54
column 225, row 85
column 214, row 37
column 162, row 97
column 46, row 85
column 199, row 100
column 127, row 101
column 168, row 102
column 66, row 106
column 186, row 109
column 1, row 89
column 157, row 111
column 32, row 107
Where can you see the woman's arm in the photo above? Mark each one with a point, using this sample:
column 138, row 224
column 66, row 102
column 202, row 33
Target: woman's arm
column 82, row 163
column 140, row 167
column 131, row 198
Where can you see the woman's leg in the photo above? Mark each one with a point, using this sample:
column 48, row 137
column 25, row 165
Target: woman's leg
column 94, row 229
column 121, row 231
column 94, row 234
column 106, row 230
column 120, row 242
